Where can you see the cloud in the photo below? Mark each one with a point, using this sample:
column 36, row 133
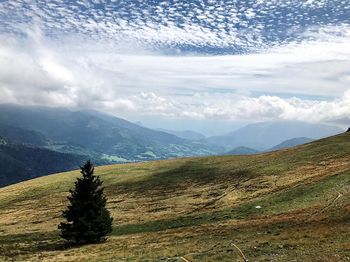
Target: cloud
column 276, row 65
column 226, row 26
column 237, row 108
column 24, row 78
column 38, row 71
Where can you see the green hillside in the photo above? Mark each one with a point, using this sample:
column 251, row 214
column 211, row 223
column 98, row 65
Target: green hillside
column 91, row 133
column 288, row 205
column 19, row 162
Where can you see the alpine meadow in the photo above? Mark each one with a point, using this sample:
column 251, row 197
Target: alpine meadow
column 292, row 203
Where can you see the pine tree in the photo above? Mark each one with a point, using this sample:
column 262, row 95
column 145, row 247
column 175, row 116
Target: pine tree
column 88, row 220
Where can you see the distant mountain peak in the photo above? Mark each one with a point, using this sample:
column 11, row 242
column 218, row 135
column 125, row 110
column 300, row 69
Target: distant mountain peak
column 291, row 143
column 264, row 135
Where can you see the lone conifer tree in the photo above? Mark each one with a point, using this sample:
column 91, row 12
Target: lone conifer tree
column 88, row 219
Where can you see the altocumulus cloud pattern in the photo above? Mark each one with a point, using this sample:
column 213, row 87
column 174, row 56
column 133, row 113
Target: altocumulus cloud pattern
column 204, row 26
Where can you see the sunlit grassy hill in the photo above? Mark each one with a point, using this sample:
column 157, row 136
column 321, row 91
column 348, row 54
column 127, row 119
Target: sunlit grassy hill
column 288, row 205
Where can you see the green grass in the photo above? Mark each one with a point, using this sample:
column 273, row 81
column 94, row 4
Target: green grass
column 299, row 197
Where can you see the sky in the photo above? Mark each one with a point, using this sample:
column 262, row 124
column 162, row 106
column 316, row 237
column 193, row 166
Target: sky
column 204, row 65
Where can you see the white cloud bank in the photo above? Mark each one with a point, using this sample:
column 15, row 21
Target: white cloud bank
column 235, row 107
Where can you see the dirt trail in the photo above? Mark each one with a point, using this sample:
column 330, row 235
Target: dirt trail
column 332, row 203
column 325, row 207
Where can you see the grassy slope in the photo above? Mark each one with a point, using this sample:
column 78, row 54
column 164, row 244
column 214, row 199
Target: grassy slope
column 198, row 208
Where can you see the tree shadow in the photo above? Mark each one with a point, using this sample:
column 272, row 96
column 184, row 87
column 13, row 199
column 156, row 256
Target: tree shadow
column 36, row 242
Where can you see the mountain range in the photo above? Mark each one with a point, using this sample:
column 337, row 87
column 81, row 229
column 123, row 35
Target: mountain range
column 242, row 150
column 108, row 137
column 37, row 141
column 265, row 135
